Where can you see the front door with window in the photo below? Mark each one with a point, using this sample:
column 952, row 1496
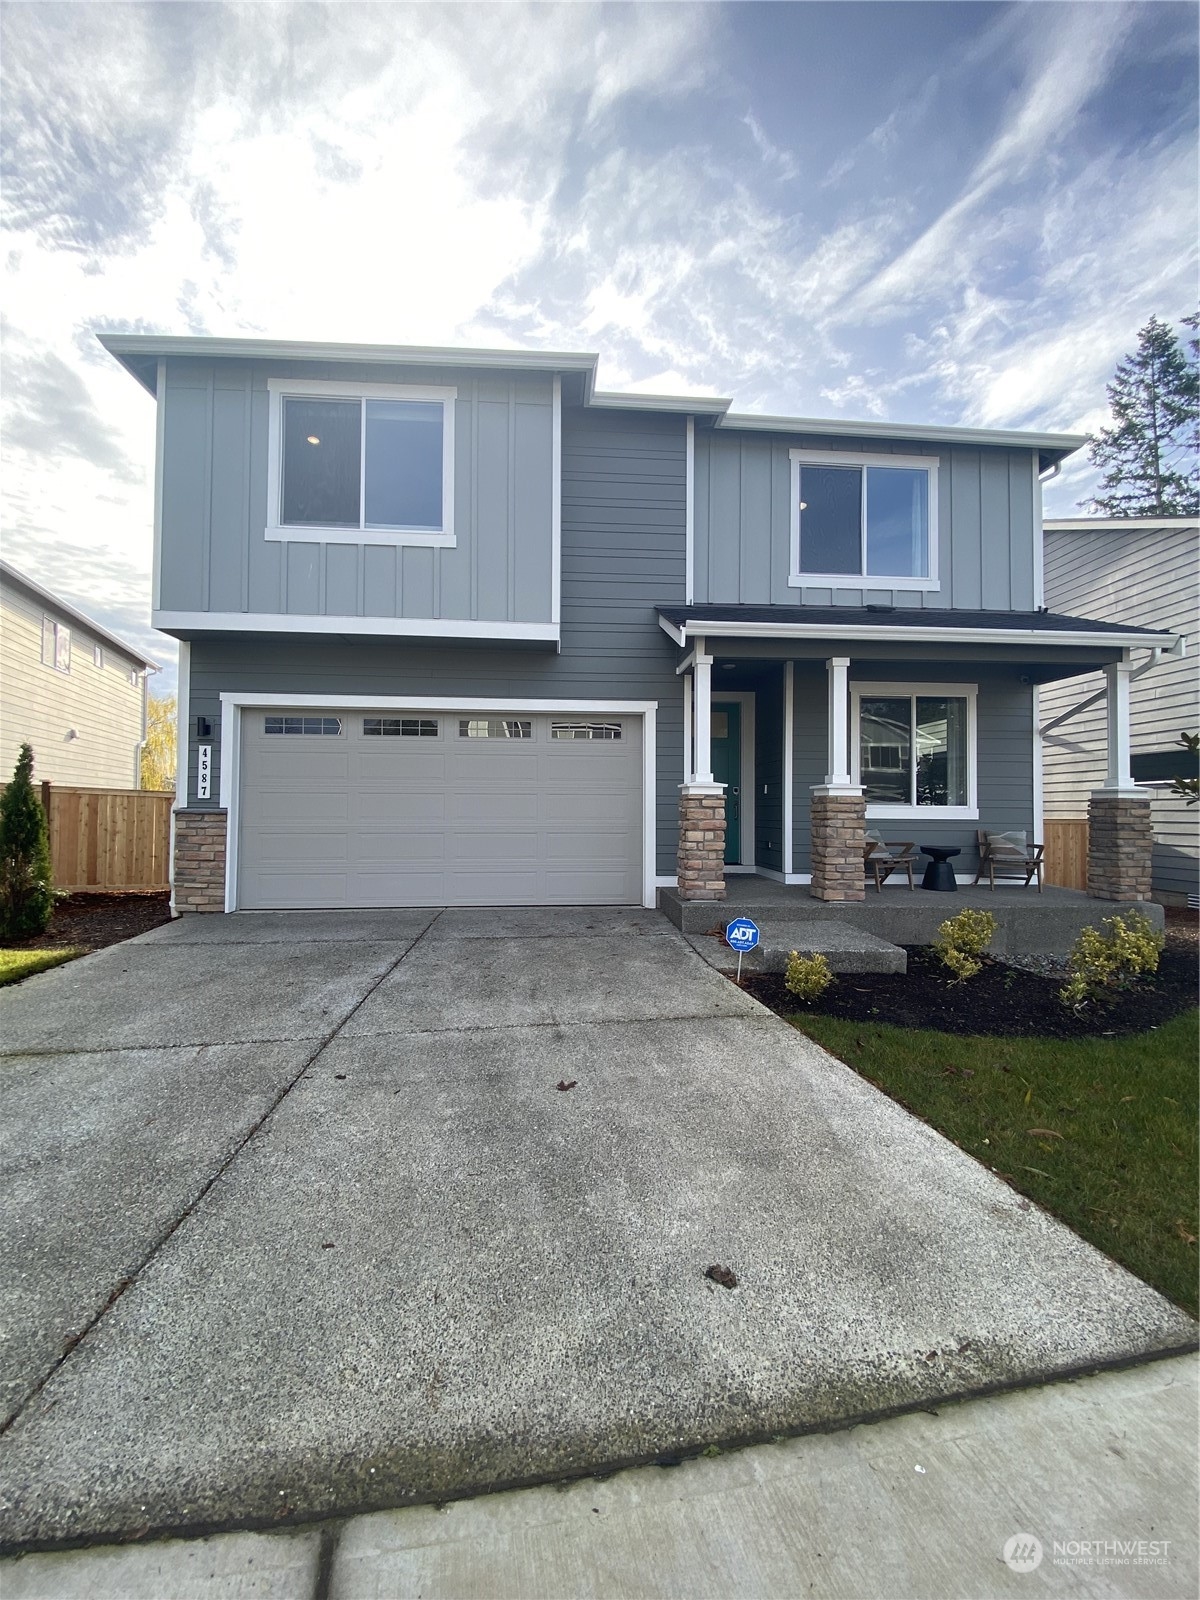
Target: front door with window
column 727, row 769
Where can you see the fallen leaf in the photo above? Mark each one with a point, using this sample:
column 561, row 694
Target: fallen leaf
column 564, row 1085
column 1188, row 1238
column 725, row 1276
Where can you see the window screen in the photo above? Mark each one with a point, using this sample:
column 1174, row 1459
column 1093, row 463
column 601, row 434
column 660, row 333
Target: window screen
column 831, row 520
column 321, row 462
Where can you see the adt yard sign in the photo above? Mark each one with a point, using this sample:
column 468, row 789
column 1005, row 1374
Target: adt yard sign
column 741, row 934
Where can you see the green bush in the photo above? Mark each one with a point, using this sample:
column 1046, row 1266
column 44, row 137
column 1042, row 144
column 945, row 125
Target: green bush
column 807, row 977
column 962, row 940
column 1107, row 959
column 26, row 882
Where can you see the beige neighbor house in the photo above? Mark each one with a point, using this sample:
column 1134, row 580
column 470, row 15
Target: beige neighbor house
column 70, row 688
column 1122, row 568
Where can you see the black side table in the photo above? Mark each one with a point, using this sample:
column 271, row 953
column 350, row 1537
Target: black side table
column 939, row 874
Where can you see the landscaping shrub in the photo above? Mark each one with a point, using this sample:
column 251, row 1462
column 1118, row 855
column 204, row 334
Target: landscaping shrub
column 962, row 940
column 26, row 883
column 807, row 977
column 1105, row 960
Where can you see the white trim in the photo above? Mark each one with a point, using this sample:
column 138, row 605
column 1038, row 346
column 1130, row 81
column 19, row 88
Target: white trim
column 290, row 533
column 234, row 702
column 837, row 725
column 616, row 400
column 296, row 622
column 789, row 693
column 856, row 632
column 689, row 541
column 183, row 731
column 556, row 503
column 1039, row 545
column 160, row 445
column 900, row 690
column 745, row 699
column 1039, row 804
column 1115, row 524
column 667, row 880
column 689, row 771
column 924, row 433
column 702, row 715
column 928, row 464
column 1118, row 741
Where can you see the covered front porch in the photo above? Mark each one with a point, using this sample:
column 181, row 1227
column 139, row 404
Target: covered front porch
column 801, row 732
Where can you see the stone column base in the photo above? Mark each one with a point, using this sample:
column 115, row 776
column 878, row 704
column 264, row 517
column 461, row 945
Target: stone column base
column 199, row 865
column 1120, row 846
column 701, row 862
column 839, row 821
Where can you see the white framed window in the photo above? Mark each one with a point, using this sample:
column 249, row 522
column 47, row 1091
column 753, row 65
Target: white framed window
column 400, row 727
column 863, row 520
column 98, row 657
column 494, row 728
column 327, row 727
column 914, row 749
column 605, row 732
column 360, row 463
column 56, row 645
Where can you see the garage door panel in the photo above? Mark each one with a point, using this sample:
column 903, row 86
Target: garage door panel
column 377, row 820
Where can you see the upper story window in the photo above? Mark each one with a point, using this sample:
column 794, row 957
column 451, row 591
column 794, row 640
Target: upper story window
column 361, row 463
column 56, row 645
column 864, row 519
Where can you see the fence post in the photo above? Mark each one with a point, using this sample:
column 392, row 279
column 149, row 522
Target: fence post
column 46, row 799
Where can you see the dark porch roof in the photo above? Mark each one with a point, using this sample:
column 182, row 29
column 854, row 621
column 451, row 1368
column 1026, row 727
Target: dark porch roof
column 917, row 622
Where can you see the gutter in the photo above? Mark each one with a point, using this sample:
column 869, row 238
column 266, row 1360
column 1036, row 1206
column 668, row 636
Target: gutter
column 680, row 632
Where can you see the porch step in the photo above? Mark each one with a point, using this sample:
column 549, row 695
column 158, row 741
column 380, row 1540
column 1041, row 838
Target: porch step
column 845, row 947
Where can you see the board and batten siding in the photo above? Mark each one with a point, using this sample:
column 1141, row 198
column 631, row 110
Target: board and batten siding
column 1004, row 753
column 989, row 502
column 40, row 705
column 214, row 552
column 1149, row 577
column 623, row 553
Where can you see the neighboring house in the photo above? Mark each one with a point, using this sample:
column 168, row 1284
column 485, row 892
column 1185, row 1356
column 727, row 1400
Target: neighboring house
column 1143, row 569
column 456, row 628
column 70, row 688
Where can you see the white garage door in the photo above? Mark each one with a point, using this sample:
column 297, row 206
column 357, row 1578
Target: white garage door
column 396, row 808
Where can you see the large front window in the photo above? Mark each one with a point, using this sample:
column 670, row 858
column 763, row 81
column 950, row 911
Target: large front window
column 867, row 518
column 915, row 749
column 374, row 466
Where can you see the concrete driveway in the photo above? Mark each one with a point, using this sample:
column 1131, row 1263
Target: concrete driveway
column 298, row 1223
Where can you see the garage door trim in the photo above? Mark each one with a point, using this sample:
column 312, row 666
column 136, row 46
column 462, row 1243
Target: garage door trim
column 233, row 704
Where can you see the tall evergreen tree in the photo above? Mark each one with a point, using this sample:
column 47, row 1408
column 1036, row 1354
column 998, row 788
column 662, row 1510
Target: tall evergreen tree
column 26, row 882
column 1150, row 457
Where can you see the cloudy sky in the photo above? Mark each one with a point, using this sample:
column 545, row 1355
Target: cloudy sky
column 941, row 213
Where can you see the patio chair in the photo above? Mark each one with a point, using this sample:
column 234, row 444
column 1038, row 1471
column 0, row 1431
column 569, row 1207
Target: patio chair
column 882, row 857
column 1009, row 855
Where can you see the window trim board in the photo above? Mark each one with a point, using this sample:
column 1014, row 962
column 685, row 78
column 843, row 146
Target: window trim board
column 861, row 580
column 324, row 388
column 905, row 690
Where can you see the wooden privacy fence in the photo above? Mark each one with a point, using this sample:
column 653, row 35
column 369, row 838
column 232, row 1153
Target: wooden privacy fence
column 113, row 839
column 1067, row 852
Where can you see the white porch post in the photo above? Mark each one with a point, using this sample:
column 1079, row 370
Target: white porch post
column 702, row 698
column 688, row 767
column 1119, row 776
column 838, row 774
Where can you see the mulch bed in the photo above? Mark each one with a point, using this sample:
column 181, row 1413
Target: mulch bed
column 92, row 921
column 1001, row 1000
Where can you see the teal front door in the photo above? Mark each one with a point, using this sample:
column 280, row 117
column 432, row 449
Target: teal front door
column 727, row 769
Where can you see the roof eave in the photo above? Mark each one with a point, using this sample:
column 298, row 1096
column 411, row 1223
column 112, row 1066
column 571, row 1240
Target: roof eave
column 81, row 618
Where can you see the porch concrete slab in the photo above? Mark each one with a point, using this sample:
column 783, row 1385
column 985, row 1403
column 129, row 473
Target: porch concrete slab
column 100, row 1155
column 509, row 983
column 845, row 947
column 293, row 927
column 547, row 922
column 232, row 1566
column 920, row 1506
column 133, row 996
column 433, row 1272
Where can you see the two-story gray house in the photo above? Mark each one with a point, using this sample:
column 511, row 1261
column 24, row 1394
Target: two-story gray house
column 457, row 628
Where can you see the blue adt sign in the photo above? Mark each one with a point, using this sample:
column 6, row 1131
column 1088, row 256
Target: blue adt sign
column 741, row 934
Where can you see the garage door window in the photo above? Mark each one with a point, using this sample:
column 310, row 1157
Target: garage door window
column 400, row 727
column 329, row 726
column 494, row 728
column 585, row 730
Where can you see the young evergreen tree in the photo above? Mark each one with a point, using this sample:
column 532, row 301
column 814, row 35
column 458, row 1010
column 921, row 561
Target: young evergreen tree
column 26, row 883
column 1150, row 457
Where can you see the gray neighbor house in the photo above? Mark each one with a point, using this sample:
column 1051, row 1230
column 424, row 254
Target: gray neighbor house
column 456, row 628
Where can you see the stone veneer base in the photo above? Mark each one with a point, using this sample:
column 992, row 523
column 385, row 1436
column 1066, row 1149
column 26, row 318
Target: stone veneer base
column 199, row 865
column 1120, row 847
column 838, row 824
column 701, row 860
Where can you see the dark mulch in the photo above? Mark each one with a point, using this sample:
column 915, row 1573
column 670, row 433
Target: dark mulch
column 1000, row 1001
column 91, row 921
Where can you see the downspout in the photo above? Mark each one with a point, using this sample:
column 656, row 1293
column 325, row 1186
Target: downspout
column 1158, row 654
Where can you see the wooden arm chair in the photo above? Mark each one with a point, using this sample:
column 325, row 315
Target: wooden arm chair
column 882, row 857
column 1009, row 855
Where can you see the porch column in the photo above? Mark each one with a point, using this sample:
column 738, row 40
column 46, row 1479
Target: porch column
column 1120, row 836
column 838, row 809
column 701, row 859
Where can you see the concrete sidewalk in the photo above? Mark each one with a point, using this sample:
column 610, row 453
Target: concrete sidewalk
column 917, row 1508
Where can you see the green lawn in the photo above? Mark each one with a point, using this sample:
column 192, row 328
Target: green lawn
column 1101, row 1132
column 18, row 964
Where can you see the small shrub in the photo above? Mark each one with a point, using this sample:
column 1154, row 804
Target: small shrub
column 26, row 882
column 807, row 977
column 962, row 940
column 1107, row 959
